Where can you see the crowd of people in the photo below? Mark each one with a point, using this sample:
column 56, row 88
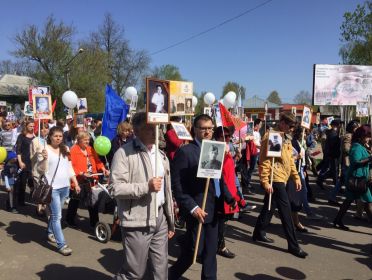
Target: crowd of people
column 146, row 182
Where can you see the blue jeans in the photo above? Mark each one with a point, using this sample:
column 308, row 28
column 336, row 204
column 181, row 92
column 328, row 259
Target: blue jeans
column 303, row 193
column 54, row 225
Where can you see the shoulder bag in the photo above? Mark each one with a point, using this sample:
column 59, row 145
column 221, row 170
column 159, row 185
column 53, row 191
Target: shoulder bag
column 357, row 185
column 42, row 193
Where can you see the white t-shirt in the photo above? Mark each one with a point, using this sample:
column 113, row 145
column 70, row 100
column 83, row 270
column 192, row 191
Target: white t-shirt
column 64, row 172
column 257, row 139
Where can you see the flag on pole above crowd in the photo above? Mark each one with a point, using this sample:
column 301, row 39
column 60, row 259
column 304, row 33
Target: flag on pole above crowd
column 116, row 111
column 229, row 120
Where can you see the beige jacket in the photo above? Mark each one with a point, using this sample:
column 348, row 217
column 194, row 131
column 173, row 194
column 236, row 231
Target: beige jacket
column 284, row 167
column 131, row 171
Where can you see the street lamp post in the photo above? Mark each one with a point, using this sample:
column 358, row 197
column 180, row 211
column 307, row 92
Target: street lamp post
column 67, row 71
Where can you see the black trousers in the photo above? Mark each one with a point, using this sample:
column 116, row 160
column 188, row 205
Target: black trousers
column 207, row 250
column 73, row 206
column 25, row 177
column 279, row 200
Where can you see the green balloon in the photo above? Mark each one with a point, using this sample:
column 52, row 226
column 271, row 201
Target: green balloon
column 102, row 145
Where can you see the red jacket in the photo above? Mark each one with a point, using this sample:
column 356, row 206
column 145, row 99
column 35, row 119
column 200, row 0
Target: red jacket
column 79, row 160
column 251, row 150
column 230, row 189
column 173, row 143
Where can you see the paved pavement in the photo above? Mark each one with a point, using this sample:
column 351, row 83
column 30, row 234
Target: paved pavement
column 333, row 254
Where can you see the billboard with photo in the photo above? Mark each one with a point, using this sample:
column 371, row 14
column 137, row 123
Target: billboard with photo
column 181, row 98
column 341, row 84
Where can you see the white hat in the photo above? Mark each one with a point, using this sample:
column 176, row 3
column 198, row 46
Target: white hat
column 68, row 117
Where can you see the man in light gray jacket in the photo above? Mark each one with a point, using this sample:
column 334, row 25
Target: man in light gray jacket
column 139, row 193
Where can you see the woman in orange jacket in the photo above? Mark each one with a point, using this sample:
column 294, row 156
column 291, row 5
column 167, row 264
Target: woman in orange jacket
column 85, row 162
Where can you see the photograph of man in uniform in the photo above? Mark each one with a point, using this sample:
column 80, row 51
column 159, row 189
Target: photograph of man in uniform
column 275, row 143
column 212, row 162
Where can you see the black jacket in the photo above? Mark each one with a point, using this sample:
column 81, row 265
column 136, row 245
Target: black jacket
column 188, row 189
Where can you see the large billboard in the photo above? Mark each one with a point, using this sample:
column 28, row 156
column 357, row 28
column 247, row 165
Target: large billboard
column 341, row 84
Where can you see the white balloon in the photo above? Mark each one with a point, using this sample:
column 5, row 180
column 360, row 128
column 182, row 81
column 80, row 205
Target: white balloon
column 70, row 99
column 194, row 101
column 229, row 99
column 209, row 98
column 130, row 92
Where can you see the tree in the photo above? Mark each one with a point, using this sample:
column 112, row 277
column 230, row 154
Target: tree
column 356, row 34
column 125, row 66
column 303, row 97
column 167, row 72
column 22, row 67
column 274, row 97
column 235, row 87
column 49, row 50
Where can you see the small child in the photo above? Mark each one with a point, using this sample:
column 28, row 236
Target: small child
column 9, row 175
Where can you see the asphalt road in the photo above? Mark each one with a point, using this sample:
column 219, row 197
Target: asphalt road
column 333, row 253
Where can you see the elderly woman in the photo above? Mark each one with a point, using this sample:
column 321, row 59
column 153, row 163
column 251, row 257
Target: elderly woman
column 360, row 160
column 85, row 162
column 124, row 135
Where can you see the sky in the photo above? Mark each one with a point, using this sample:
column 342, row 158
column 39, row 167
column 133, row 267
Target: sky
column 272, row 47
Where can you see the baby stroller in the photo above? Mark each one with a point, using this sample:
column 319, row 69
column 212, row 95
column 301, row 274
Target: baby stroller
column 100, row 195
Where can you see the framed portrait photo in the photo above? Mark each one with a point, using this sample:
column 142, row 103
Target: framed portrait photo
column 42, row 106
column 275, row 144
column 250, row 126
column 306, row 117
column 79, row 120
column 211, row 159
column 362, row 109
column 207, row 111
column 188, row 106
column 27, row 109
column 82, row 105
column 181, row 131
column 157, row 101
column 133, row 103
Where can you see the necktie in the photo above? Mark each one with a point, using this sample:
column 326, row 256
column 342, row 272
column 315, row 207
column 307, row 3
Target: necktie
column 217, row 187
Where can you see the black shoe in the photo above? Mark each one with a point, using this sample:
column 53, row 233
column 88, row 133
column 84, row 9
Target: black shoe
column 320, row 184
column 340, row 225
column 264, row 239
column 226, row 253
column 311, row 199
column 298, row 253
column 71, row 224
column 303, row 230
column 333, row 203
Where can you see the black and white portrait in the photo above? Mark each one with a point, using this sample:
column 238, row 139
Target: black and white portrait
column 188, row 105
column 275, row 144
column 181, row 131
column 157, row 101
column 82, row 105
column 211, row 159
column 79, row 120
column 306, row 117
column 207, row 111
column 42, row 106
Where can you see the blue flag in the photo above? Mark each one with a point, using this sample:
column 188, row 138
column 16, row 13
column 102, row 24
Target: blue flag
column 116, row 111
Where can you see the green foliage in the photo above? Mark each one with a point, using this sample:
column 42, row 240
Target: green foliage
column 356, row 34
column 107, row 58
column 303, row 97
column 167, row 72
column 235, row 87
column 274, row 97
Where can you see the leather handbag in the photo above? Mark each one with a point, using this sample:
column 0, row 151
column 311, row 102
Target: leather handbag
column 42, row 193
column 357, row 185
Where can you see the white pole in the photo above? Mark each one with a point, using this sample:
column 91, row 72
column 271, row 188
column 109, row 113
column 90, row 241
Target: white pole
column 156, row 163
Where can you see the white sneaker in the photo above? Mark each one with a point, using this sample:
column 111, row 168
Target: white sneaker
column 65, row 250
column 51, row 238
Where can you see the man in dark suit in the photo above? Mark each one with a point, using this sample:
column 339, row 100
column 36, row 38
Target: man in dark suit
column 189, row 192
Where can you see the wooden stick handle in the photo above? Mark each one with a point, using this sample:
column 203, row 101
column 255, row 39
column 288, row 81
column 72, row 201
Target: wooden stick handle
column 200, row 224
column 271, row 181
